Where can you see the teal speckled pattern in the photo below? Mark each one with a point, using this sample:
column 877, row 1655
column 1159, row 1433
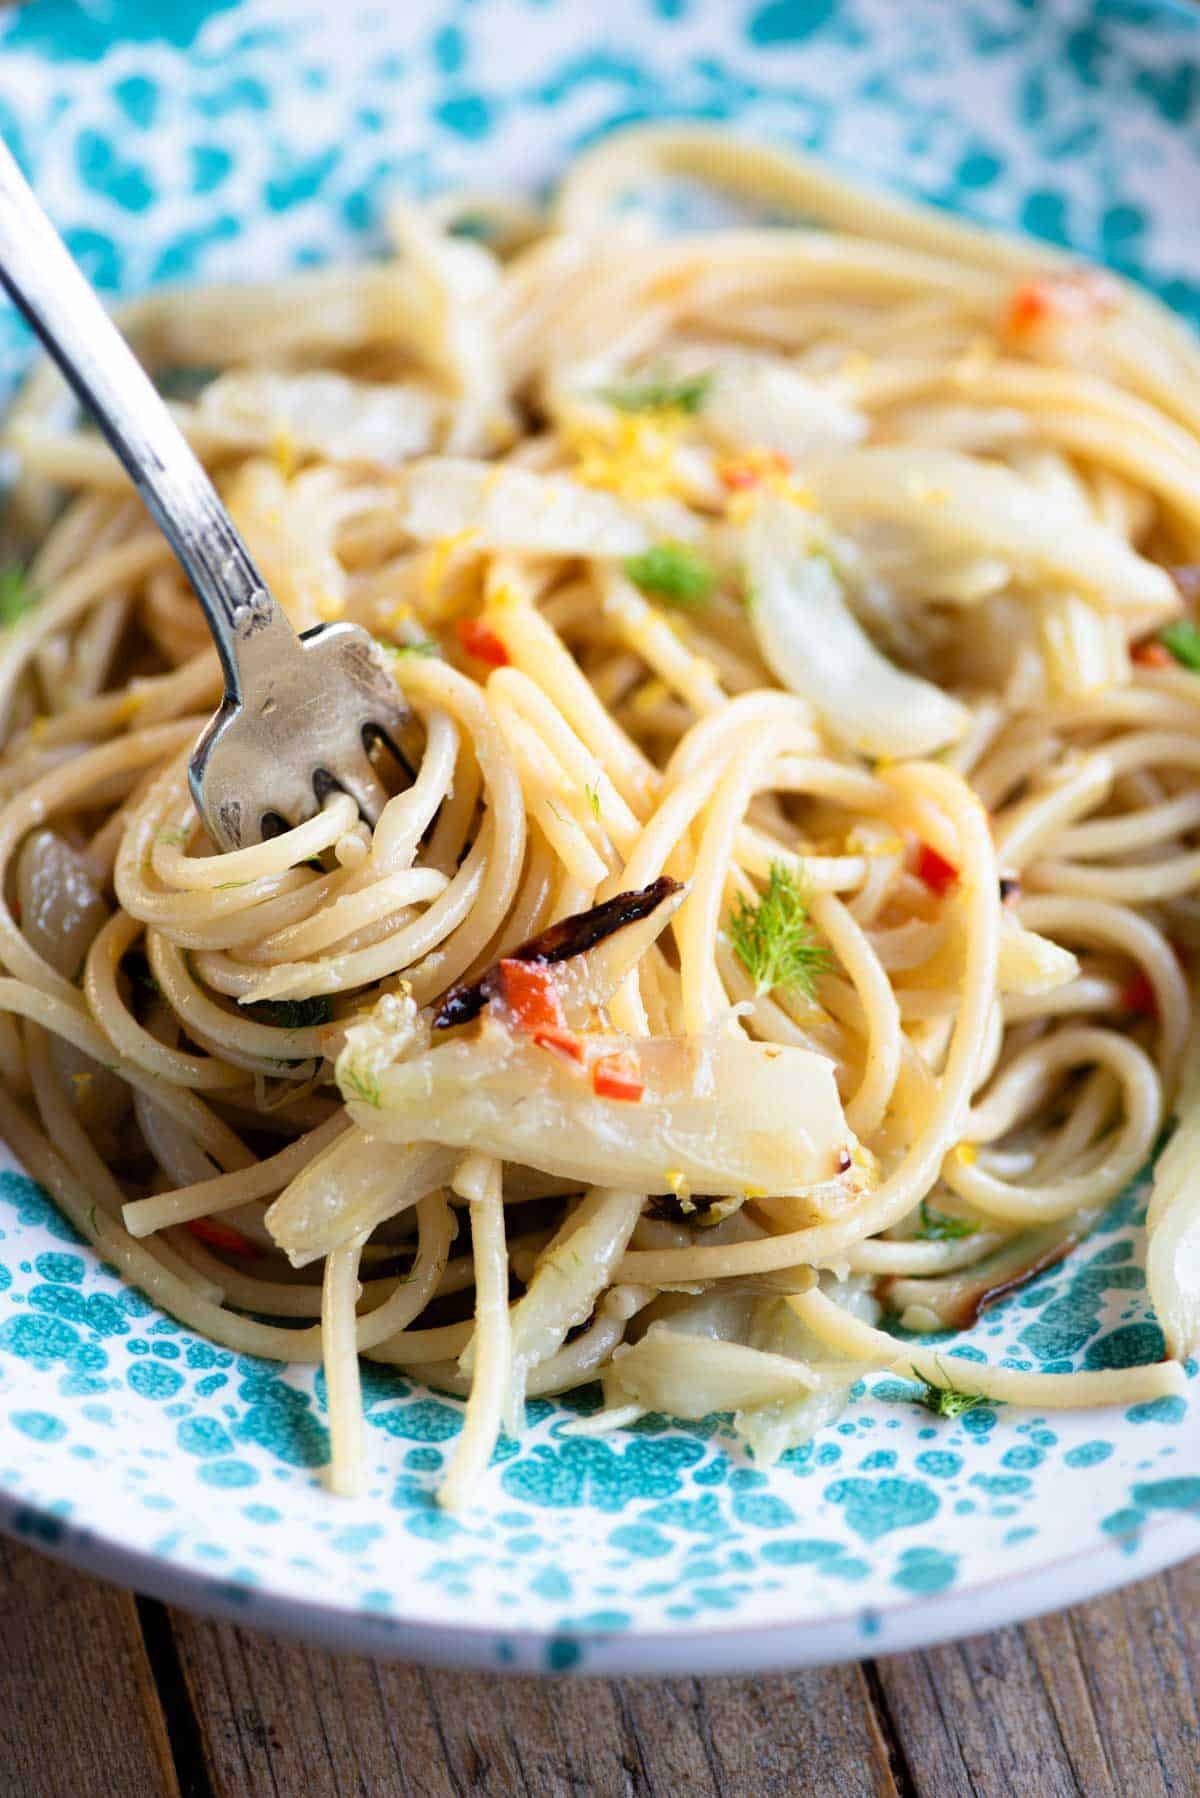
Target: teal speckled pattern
column 210, row 140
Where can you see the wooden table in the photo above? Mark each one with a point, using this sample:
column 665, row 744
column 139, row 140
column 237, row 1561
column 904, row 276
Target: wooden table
column 104, row 1695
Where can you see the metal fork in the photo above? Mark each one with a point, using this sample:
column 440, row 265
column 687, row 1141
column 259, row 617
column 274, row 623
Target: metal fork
column 299, row 711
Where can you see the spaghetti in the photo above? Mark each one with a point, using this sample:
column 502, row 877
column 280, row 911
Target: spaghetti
column 787, row 924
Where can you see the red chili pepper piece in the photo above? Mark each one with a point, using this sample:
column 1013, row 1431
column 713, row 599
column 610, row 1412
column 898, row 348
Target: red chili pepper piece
column 1139, row 996
column 1058, row 298
column 617, row 1077
column 528, row 990
column 480, row 641
column 938, row 874
column 741, row 472
column 216, row 1235
column 1029, row 306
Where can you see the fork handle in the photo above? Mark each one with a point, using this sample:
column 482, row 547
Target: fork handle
column 47, row 286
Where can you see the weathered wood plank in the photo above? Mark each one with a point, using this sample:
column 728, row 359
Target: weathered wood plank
column 955, row 1709
column 1090, row 1703
column 79, row 1711
column 773, row 1736
column 1139, row 1652
column 1095, row 1702
column 280, row 1718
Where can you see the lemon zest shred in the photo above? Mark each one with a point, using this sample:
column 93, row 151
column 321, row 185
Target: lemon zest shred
column 630, row 454
column 284, row 453
column 129, row 707
column 438, row 560
column 679, row 1184
column 652, row 694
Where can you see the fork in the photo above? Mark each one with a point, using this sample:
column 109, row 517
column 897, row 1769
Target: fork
column 300, row 711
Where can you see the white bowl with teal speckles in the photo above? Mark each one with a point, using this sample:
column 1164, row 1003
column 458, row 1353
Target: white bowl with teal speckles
column 187, row 140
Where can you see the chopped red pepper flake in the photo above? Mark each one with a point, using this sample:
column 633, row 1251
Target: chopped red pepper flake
column 480, row 640
column 1139, row 996
column 562, row 1042
column 740, row 472
column 217, row 1235
column 938, row 874
column 1056, row 299
column 530, row 994
column 617, row 1077
column 1152, row 654
column 1028, row 307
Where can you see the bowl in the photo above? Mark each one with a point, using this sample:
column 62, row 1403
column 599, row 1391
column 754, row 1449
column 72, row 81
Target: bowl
column 212, row 141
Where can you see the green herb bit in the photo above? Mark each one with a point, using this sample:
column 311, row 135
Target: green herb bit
column 657, row 393
column 775, row 940
column 673, row 571
column 474, row 225
column 363, row 1087
column 17, row 595
column 939, row 1226
column 593, row 799
column 173, row 837
column 292, row 1014
column 427, row 646
column 948, row 1401
column 1183, row 640
column 183, row 382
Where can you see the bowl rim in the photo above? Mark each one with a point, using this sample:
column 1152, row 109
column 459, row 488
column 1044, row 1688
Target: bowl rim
column 746, row 1647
